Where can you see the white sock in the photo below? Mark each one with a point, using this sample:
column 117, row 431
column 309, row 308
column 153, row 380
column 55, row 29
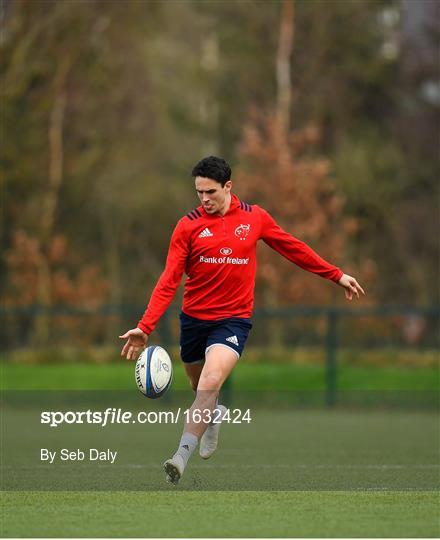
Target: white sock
column 188, row 443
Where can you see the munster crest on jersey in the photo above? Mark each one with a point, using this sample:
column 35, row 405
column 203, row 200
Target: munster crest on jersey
column 242, row 231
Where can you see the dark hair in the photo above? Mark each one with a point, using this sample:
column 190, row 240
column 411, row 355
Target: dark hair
column 214, row 168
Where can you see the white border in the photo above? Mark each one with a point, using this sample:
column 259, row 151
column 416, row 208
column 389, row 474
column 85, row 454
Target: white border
column 222, row 345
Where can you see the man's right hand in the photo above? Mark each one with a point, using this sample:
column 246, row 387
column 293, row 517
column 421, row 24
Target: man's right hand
column 136, row 341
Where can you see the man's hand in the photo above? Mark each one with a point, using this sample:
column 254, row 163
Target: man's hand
column 136, row 341
column 351, row 286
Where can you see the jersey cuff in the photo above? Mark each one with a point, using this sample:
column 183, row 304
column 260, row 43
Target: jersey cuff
column 338, row 276
column 145, row 329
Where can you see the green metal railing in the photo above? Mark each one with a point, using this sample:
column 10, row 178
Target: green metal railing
column 329, row 329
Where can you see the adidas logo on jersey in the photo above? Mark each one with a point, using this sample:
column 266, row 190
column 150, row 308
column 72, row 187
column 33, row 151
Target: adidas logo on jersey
column 232, row 339
column 206, row 232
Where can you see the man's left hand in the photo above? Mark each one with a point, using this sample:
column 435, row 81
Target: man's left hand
column 351, row 286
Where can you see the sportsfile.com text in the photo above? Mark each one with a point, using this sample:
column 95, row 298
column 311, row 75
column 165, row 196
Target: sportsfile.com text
column 118, row 416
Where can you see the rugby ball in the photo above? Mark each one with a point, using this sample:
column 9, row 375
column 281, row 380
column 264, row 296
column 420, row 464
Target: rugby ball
column 154, row 372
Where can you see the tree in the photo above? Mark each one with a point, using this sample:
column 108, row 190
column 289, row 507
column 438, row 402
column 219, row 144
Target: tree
column 280, row 169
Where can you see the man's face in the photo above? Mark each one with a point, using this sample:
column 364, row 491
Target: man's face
column 212, row 195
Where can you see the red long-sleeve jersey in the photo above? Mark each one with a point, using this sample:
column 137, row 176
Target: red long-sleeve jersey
column 218, row 254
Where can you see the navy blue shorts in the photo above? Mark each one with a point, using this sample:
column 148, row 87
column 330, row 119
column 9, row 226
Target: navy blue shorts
column 196, row 336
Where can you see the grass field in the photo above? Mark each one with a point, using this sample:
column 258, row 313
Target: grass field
column 220, row 514
column 246, row 376
column 309, row 472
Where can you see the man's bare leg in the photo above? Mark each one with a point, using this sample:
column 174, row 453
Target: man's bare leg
column 193, row 371
column 219, row 363
column 209, row 440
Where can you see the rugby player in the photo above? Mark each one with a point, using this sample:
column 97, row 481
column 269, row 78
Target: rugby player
column 215, row 246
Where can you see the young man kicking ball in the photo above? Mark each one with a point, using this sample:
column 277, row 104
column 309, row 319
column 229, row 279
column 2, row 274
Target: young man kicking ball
column 215, row 245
